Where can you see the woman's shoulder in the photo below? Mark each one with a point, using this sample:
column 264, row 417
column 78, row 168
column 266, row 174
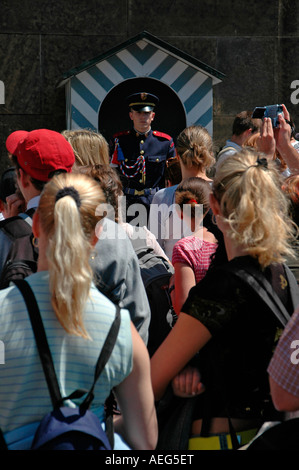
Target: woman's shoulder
column 165, row 195
column 99, row 303
column 219, row 281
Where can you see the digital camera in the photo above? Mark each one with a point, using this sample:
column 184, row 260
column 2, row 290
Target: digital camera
column 271, row 111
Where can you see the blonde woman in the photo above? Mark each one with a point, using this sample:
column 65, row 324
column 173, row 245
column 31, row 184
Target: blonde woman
column 224, row 324
column 90, row 147
column 77, row 318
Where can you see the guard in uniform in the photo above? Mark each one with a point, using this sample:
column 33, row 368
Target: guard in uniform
column 140, row 154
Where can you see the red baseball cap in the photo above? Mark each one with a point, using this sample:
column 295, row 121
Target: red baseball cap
column 43, row 151
column 13, row 140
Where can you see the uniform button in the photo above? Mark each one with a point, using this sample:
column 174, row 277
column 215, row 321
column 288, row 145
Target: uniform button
column 157, row 160
column 140, row 181
column 142, row 141
column 126, row 160
column 141, row 152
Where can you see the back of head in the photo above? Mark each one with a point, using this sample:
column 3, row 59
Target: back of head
column 243, row 121
column 67, row 215
column 41, row 154
column 173, row 173
column 247, row 188
column 194, row 147
column 7, row 183
column 193, row 191
column 90, row 147
column 110, row 184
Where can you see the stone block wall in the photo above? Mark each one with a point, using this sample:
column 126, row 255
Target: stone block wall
column 255, row 44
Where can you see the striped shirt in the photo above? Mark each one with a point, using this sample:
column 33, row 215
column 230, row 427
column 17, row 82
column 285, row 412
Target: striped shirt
column 196, row 253
column 24, row 396
column 284, row 365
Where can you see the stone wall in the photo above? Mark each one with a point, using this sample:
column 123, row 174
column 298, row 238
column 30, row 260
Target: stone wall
column 254, row 43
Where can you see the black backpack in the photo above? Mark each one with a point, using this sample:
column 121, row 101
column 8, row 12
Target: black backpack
column 21, row 260
column 156, row 272
column 66, row 428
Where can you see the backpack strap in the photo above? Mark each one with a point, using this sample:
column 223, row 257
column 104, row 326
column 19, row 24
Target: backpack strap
column 26, row 217
column 47, row 361
column 41, row 340
column 225, row 149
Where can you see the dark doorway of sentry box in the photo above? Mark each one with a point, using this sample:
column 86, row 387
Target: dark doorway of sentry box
column 170, row 114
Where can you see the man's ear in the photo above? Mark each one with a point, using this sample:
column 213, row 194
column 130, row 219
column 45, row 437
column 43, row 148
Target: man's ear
column 24, row 178
column 35, row 224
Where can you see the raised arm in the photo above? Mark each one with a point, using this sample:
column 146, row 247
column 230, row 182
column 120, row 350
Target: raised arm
column 283, row 142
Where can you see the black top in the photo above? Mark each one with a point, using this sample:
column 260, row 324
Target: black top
column 233, row 363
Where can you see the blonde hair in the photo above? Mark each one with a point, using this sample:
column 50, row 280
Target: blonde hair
column 247, row 188
column 69, row 224
column 90, row 147
column 195, row 148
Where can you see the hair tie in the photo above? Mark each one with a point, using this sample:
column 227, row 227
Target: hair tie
column 191, row 200
column 262, row 162
column 69, row 191
column 259, row 162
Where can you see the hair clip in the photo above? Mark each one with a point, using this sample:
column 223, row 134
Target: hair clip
column 192, row 200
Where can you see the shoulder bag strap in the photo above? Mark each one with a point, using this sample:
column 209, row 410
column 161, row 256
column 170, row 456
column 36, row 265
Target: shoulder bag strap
column 265, row 291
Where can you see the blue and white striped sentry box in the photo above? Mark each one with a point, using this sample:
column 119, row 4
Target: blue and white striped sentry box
column 141, row 56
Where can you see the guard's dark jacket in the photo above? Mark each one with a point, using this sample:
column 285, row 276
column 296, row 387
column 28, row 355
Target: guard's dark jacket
column 141, row 159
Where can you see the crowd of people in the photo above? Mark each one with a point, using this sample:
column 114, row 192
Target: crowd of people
column 227, row 224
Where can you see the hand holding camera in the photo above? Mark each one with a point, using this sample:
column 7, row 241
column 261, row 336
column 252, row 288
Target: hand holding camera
column 279, row 138
column 273, row 112
column 266, row 141
column 275, row 131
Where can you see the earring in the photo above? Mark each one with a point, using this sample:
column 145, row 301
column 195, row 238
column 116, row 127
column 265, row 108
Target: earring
column 93, row 255
column 35, row 242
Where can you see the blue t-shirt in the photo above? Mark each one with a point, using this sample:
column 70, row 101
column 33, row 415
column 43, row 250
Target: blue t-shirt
column 24, row 396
